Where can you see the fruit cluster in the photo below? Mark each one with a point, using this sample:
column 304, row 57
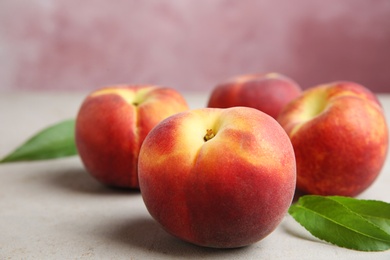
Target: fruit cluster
column 224, row 176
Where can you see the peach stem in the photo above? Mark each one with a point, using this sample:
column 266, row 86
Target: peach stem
column 209, row 134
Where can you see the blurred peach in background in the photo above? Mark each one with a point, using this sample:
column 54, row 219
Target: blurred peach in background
column 191, row 45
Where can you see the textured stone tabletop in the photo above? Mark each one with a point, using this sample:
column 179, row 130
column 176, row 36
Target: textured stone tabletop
column 55, row 210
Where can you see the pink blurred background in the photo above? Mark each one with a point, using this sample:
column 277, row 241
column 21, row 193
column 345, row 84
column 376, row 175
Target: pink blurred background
column 191, row 45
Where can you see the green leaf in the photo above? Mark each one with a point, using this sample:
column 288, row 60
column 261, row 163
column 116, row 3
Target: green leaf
column 377, row 212
column 345, row 222
column 52, row 142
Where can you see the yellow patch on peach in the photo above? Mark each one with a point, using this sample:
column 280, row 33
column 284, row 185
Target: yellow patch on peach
column 249, row 77
column 243, row 78
column 313, row 104
column 272, row 75
column 131, row 96
column 245, row 144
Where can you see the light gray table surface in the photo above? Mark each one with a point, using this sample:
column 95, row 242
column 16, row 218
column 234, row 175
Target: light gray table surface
column 55, row 210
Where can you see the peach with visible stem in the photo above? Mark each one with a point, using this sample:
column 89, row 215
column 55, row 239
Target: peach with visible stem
column 219, row 178
column 112, row 123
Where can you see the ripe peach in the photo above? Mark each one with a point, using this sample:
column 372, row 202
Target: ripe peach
column 340, row 138
column 112, row 123
column 266, row 92
column 219, row 178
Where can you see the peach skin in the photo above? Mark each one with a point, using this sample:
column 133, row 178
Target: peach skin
column 113, row 122
column 219, row 178
column 268, row 92
column 340, row 138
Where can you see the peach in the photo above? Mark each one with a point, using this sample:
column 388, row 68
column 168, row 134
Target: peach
column 268, row 93
column 340, row 138
column 112, row 123
column 220, row 178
